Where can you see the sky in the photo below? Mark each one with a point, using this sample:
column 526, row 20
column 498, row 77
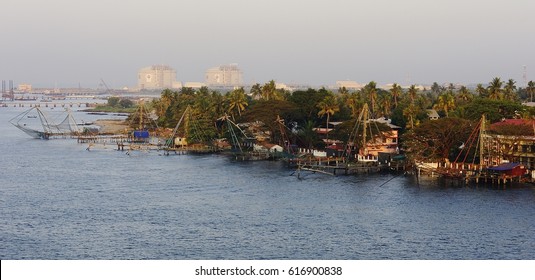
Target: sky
column 71, row 43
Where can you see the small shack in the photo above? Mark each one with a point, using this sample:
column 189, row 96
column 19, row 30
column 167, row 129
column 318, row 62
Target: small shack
column 180, row 141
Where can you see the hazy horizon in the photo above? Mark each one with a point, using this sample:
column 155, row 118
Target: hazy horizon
column 71, row 43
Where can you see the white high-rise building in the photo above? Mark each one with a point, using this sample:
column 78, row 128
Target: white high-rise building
column 157, row 77
column 224, row 75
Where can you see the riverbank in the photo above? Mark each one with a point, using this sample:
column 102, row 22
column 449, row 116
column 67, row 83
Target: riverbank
column 111, row 109
column 111, row 126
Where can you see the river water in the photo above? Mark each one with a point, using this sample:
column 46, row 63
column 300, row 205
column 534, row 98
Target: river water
column 60, row 201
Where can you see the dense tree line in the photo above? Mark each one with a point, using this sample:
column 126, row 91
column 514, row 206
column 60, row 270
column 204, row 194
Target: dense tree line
column 303, row 110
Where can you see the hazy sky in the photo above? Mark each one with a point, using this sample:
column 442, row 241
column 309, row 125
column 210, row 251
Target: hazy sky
column 316, row 42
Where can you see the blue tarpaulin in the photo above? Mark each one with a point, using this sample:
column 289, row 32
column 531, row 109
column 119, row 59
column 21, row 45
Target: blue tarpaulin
column 504, row 166
column 141, row 134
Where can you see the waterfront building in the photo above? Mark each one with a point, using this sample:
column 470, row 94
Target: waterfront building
column 224, row 75
column 24, row 87
column 157, row 77
column 511, row 140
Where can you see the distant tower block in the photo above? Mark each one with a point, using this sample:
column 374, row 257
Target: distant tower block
column 156, row 77
column 224, row 75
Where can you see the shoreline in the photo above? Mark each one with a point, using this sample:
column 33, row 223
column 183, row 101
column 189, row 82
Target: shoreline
column 111, row 126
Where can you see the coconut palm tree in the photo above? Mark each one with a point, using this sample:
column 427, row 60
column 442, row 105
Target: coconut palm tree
column 343, row 91
column 237, row 101
column 370, row 90
column 354, row 102
column 482, row 91
column 269, row 90
column 413, row 91
column 445, row 102
column 436, row 89
column 308, row 135
column 328, row 106
column 410, row 113
column 217, row 105
column 510, row 90
column 530, row 89
column 256, row 91
column 396, row 91
column 385, row 103
column 495, row 89
column 464, row 95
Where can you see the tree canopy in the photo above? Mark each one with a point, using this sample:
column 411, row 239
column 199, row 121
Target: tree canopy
column 305, row 110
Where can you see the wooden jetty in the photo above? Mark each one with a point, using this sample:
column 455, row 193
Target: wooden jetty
column 468, row 173
column 190, row 149
column 490, row 168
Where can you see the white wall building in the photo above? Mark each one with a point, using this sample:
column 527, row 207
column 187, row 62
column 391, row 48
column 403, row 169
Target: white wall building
column 157, row 77
column 350, row 85
column 224, row 75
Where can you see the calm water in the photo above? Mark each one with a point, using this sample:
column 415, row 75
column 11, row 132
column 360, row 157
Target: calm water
column 59, row 201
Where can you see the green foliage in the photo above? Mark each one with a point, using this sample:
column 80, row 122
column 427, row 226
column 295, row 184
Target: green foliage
column 116, row 105
column 438, row 139
column 126, row 103
column 305, row 109
column 308, row 137
column 305, row 104
column 117, row 102
column 266, row 111
column 113, row 101
column 495, row 110
column 237, row 101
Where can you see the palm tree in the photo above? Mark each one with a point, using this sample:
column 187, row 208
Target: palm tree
column 343, row 91
column 354, row 103
column 530, row 89
column 510, row 90
column 464, row 94
column 445, row 102
column 495, row 89
column 256, row 91
column 237, row 100
column 413, row 91
column 167, row 97
column 396, row 91
column 269, row 90
column 371, row 91
column 328, row 106
column 436, row 89
column 308, row 135
column 410, row 113
column 482, row 91
column 385, row 102
column 217, row 104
